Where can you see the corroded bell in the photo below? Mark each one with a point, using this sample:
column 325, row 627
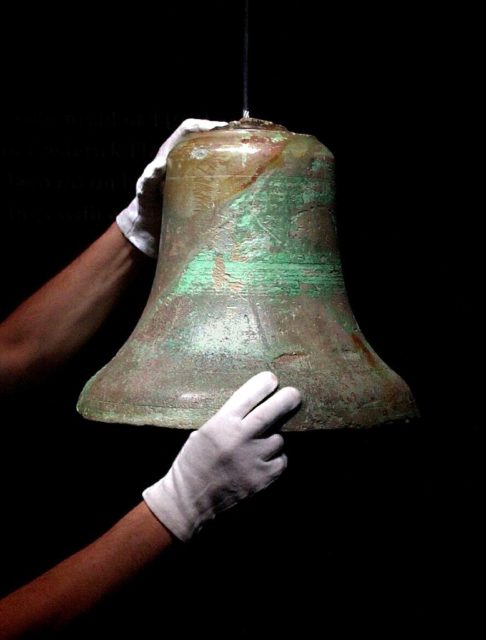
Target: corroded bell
column 248, row 279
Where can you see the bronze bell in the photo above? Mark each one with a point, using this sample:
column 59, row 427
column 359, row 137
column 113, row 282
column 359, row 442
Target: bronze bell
column 248, row 279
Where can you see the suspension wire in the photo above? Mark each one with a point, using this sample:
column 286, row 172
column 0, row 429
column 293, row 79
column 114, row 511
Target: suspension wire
column 246, row 111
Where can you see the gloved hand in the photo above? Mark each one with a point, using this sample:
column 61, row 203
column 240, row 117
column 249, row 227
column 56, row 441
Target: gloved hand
column 226, row 460
column 140, row 221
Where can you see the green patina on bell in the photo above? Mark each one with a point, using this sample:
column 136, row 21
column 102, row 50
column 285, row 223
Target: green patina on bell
column 248, row 279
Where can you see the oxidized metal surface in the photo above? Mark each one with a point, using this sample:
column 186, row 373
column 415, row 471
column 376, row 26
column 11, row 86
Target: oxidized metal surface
column 248, row 279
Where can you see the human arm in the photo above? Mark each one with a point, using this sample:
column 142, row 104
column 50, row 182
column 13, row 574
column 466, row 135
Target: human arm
column 226, row 460
column 51, row 325
column 58, row 319
column 76, row 585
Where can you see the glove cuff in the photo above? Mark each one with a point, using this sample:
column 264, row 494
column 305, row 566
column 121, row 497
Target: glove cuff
column 161, row 501
column 129, row 223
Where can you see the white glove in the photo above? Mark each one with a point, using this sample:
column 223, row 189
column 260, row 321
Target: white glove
column 140, row 221
column 226, row 460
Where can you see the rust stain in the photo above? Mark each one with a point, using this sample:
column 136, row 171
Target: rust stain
column 220, row 277
column 236, row 285
column 236, row 255
column 359, row 344
column 275, row 160
column 219, row 273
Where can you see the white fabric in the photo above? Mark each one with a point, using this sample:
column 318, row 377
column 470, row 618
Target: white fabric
column 226, row 460
column 140, row 221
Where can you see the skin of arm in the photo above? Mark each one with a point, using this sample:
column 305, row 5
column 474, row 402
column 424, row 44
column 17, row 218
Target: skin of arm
column 52, row 325
column 78, row 583
column 229, row 459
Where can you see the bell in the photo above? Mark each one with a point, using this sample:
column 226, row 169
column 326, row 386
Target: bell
column 249, row 279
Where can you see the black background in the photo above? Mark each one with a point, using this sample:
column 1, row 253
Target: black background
column 368, row 532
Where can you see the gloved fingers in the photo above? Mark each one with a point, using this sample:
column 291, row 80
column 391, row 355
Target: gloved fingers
column 150, row 198
column 153, row 172
column 272, row 410
column 250, row 394
column 194, row 124
column 271, row 447
column 277, row 466
column 149, row 195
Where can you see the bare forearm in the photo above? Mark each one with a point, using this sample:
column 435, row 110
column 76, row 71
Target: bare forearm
column 77, row 584
column 58, row 319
